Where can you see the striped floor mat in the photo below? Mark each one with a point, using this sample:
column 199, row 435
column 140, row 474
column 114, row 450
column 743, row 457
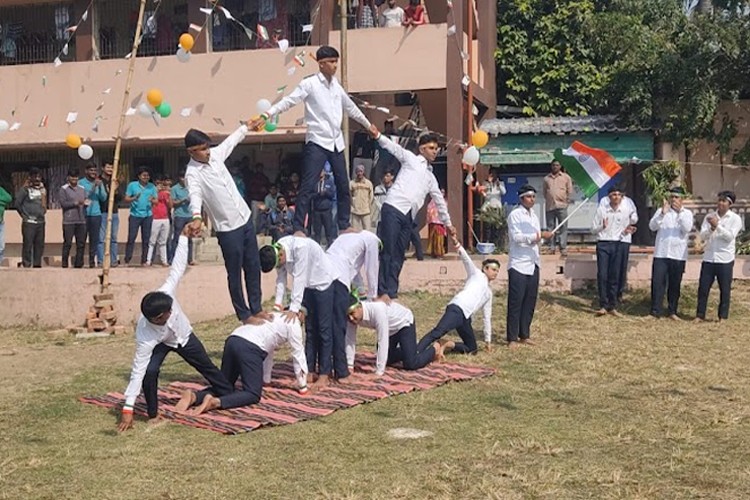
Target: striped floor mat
column 282, row 404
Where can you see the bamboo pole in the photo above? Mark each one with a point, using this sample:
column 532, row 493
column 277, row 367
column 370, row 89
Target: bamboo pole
column 118, row 147
column 470, row 105
column 343, row 9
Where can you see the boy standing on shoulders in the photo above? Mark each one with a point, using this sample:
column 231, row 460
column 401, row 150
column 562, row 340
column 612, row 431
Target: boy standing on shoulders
column 161, row 329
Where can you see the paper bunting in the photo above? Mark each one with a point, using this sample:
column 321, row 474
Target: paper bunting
column 72, row 117
column 107, row 91
column 128, row 55
column 100, row 106
column 281, row 89
column 283, row 45
column 130, row 112
column 452, row 30
column 72, row 29
column 43, row 122
column 58, row 62
column 206, row 11
column 307, row 28
column 464, row 56
column 291, row 70
column 299, row 122
column 118, row 72
column 219, row 121
column 263, row 32
column 95, row 125
column 449, row 4
column 196, row 27
column 299, row 59
column 249, row 33
column 465, row 81
column 227, row 13
column 85, row 15
column 383, row 109
column 44, row 81
column 15, row 126
column 185, row 112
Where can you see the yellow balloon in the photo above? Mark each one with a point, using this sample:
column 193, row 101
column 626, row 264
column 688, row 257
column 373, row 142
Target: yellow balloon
column 187, row 41
column 154, row 97
column 480, row 138
column 73, row 141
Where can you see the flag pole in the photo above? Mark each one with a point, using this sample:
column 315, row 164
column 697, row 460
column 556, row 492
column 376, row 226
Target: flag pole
column 571, row 214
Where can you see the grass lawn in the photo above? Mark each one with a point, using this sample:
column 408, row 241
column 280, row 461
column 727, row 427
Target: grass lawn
column 599, row 408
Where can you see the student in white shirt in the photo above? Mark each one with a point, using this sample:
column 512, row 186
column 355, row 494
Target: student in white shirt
column 475, row 295
column 248, row 355
column 325, row 101
column 314, row 284
column 211, row 186
column 612, row 222
column 405, row 198
column 525, row 234
column 625, row 241
column 672, row 224
column 719, row 232
column 353, row 252
column 161, row 329
column 397, row 335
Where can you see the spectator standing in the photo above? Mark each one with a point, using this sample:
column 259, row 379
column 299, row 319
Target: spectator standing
column 257, row 189
column 367, row 14
column 5, row 201
column 392, row 16
column 558, row 192
column 291, row 191
column 379, row 196
column 160, row 224
column 73, row 202
column 94, row 196
column 141, row 195
column 362, row 195
column 31, row 202
column 107, row 170
column 436, row 230
column 181, row 216
column 323, row 209
column 415, row 14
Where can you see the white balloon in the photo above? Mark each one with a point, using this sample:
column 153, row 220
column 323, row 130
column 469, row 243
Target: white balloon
column 263, row 105
column 471, row 156
column 183, row 55
column 144, row 110
column 85, row 152
column 4, row 126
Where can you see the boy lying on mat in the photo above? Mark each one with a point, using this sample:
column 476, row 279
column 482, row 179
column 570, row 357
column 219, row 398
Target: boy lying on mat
column 248, row 354
column 397, row 335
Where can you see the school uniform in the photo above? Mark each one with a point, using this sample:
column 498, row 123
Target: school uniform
column 325, row 104
column 523, row 272
column 210, row 186
column 670, row 254
column 248, row 355
column 608, row 251
column 475, row 295
column 313, row 277
column 404, row 199
column 623, row 247
column 154, row 342
column 718, row 261
column 397, row 337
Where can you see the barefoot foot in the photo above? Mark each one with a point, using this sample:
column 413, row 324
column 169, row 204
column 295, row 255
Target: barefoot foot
column 209, row 403
column 187, row 399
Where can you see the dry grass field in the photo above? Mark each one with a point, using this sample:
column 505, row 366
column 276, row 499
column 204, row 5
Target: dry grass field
column 599, row 408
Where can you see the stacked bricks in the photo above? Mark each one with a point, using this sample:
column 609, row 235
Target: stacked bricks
column 101, row 318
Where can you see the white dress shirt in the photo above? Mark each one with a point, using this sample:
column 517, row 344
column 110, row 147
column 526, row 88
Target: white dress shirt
column 309, row 266
column 672, row 232
column 523, row 230
column 720, row 242
column 413, row 183
column 176, row 331
column 350, row 252
column 617, row 219
column 325, row 103
column 270, row 336
column 630, row 208
column 476, row 294
column 392, row 18
column 212, row 184
column 386, row 320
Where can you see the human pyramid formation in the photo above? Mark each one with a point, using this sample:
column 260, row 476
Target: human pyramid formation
column 325, row 292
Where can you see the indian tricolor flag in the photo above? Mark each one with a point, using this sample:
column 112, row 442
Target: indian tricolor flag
column 589, row 168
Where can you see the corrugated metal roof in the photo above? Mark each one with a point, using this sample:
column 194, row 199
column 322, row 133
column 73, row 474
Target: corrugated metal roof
column 555, row 125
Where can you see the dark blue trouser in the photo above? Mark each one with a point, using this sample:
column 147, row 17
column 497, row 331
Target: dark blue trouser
column 239, row 248
column 241, row 359
column 608, row 270
column 723, row 274
column 666, row 276
column 623, row 251
column 322, row 221
column 93, row 226
column 395, row 232
column 134, row 223
column 522, row 293
column 195, row 355
column 402, row 346
column 453, row 319
column 70, row 231
column 178, row 225
column 319, row 330
column 315, row 158
column 340, row 306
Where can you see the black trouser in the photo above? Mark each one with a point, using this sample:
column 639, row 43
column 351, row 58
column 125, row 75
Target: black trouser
column 241, row 359
column 666, row 275
column 134, row 223
column 69, row 232
column 623, row 251
column 178, row 225
column 402, row 346
column 340, row 305
column 723, row 274
column 608, row 270
column 522, row 293
column 453, row 319
column 93, row 227
column 395, row 232
column 240, row 250
column 195, row 355
column 323, row 221
column 319, row 330
column 416, row 240
column 315, row 158
column 33, row 244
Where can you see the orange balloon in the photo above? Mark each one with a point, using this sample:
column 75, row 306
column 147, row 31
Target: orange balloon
column 154, row 97
column 480, row 138
column 73, row 141
column 187, row 41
